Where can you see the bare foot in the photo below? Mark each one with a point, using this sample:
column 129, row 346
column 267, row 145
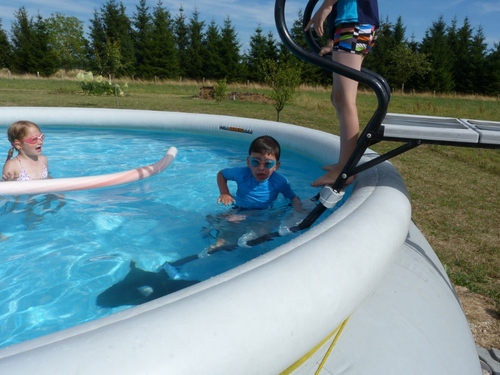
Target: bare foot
column 327, row 179
column 331, row 176
column 236, row 218
column 220, row 242
column 330, row 167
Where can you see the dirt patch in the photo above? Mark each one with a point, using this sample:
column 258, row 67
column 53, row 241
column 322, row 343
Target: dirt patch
column 207, row 92
column 249, row 97
column 483, row 318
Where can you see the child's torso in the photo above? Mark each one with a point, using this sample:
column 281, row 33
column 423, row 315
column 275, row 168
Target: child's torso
column 25, row 176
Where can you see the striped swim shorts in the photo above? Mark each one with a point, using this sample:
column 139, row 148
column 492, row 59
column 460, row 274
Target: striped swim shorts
column 354, row 38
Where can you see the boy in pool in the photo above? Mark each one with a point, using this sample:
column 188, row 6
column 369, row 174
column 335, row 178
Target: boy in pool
column 258, row 184
column 29, row 164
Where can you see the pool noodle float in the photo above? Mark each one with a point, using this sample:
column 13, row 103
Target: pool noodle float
column 54, row 185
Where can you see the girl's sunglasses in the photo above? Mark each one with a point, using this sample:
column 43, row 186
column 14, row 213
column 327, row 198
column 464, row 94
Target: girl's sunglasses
column 33, row 140
column 254, row 162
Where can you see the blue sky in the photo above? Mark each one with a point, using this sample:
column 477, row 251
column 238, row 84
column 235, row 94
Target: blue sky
column 247, row 15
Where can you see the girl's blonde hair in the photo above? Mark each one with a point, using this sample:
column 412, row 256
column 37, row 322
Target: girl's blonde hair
column 18, row 131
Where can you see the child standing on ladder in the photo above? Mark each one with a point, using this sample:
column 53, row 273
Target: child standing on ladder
column 353, row 26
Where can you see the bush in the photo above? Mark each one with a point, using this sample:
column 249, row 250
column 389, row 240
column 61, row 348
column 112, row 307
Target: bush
column 98, row 86
column 220, row 90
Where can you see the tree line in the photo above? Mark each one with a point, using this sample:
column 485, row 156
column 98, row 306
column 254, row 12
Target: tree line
column 153, row 43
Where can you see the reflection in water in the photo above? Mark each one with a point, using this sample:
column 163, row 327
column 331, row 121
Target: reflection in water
column 26, row 214
column 234, row 227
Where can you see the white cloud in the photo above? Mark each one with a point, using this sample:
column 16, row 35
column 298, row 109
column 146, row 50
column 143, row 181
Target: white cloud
column 484, row 7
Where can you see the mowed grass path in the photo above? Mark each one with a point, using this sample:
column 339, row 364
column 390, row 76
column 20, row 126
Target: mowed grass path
column 455, row 191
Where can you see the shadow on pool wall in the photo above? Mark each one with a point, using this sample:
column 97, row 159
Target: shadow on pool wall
column 364, row 273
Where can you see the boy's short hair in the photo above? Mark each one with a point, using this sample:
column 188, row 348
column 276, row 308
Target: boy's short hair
column 265, row 145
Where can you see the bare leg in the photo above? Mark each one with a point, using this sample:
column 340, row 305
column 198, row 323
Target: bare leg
column 344, row 92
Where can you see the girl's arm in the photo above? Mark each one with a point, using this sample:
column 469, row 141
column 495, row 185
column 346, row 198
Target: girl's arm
column 10, row 172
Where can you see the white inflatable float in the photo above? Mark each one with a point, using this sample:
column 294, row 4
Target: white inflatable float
column 87, row 182
column 364, row 280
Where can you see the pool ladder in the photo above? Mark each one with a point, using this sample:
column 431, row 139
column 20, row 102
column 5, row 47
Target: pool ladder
column 411, row 130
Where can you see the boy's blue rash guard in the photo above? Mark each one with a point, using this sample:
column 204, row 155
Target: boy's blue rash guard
column 354, row 11
column 252, row 194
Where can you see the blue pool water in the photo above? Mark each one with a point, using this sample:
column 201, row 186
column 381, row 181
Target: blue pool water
column 59, row 251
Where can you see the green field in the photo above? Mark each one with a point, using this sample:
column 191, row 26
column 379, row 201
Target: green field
column 455, row 192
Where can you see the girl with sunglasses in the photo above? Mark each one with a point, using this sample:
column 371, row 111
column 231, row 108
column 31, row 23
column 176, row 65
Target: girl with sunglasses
column 29, row 164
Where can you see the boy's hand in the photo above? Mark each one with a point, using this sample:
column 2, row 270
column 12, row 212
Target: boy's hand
column 297, row 205
column 225, row 199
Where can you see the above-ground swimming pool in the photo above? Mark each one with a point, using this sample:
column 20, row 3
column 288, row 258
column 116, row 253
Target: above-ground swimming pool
column 363, row 281
column 87, row 239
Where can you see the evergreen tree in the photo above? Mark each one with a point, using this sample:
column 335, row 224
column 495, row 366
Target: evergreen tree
column 261, row 48
column 255, row 55
column 112, row 40
column 492, row 69
column 195, row 50
column 5, row 49
column 164, row 60
column 32, row 52
column 45, row 55
column 272, row 47
column 394, row 58
column 310, row 74
column 435, row 46
column 96, row 53
column 377, row 59
column 181, row 37
column 478, row 62
column 463, row 74
column 23, row 61
column 452, row 37
column 231, row 67
column 119, row 31
column 212, row 59
column 142, row 23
